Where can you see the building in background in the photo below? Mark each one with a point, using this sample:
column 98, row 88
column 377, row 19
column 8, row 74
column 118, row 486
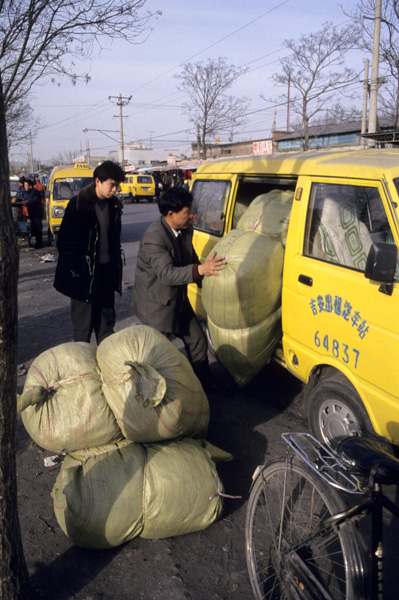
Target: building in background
column 341, row 135
column 262, row 146
column 139, row 155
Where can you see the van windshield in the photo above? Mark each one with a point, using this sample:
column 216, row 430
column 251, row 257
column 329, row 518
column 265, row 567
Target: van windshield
column 208, row 205
column 67, row 187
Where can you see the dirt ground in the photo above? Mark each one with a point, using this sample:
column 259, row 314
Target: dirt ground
column 198, row 566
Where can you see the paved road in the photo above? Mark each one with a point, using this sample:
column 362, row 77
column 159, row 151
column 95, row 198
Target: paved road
column 247, row 423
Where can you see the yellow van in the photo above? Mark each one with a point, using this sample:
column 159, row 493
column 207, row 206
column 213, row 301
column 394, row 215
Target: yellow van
column 137, row 187
column 64, row 182
column 339, row 281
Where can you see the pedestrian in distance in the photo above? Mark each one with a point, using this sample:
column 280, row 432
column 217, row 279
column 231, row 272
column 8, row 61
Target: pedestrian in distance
column 20, row 196
column 41, row 188
column 166, row 264
column 89, row 267
column 33, row 202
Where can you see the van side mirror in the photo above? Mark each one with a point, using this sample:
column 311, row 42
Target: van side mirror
column 381, row 262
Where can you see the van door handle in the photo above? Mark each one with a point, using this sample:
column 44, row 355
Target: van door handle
column 305, row 280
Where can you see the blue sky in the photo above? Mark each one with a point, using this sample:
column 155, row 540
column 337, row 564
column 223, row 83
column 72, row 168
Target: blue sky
column 247, row 34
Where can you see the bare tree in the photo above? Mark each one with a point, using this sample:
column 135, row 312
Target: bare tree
column 363, row 15
column 337, row 113
column 64, row 157
column 21, row 120
column 42, row 38
column 210, row 109
column 36, row 39
column 316, row 73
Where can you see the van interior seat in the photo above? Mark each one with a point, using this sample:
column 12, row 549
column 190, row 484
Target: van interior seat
column 64, row 191
column 344, row 239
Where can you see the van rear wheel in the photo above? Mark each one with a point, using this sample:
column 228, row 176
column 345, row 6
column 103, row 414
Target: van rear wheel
column 336, row 411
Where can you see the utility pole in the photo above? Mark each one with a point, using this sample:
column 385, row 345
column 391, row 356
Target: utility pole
column 275, row 120
column 121, row 102
column 199, row 142
column 365, row 99
column 374, row 84
column 31, row 154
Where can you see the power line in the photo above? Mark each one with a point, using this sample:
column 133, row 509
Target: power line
column 212, row 45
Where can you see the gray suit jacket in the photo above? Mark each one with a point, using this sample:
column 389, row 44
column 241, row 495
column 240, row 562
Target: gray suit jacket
column 163, row 271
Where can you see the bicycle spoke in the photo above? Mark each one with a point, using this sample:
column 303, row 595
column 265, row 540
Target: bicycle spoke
column 311, row 561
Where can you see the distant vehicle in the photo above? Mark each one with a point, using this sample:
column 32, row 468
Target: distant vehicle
column 137, row 187
column 65, row 181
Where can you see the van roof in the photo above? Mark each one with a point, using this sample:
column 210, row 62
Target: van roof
column 364, row 163
column 74, row 168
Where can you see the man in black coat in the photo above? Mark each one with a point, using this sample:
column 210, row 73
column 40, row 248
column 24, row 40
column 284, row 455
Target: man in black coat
column 89, row 268
column 33, row 200
column 166, row 264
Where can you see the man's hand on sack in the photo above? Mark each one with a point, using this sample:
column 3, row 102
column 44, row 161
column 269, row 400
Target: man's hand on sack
column 212, row 265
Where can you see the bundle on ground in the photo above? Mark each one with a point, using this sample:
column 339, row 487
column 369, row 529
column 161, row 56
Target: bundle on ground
column 62, row 404
column 151, row 387
column 106, row 496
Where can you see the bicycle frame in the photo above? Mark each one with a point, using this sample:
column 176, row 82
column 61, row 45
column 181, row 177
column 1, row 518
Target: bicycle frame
column 329, row 468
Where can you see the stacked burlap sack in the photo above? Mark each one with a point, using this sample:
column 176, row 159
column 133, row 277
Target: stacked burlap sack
column 123, row 414
column 243, row 304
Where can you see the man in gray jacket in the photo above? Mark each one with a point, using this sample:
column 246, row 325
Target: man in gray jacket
column 166, row 264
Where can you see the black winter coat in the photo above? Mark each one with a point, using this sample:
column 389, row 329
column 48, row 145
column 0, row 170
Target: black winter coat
column 78, row 243
column 34, row 199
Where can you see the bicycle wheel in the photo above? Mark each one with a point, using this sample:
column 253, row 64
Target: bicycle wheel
column 291, row 552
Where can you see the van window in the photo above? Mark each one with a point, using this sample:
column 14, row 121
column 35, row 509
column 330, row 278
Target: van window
column 66, row 188
column 342, row 223
column 251, row 187
column 143, row 179
column 209, row 199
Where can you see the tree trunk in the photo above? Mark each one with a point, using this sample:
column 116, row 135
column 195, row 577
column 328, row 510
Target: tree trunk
column 203, row 143
column 305, row 125
column 14, row 579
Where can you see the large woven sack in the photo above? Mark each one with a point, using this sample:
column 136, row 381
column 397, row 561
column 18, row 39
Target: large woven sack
column 182, row 490
column 244, row 352
column 105, row 496
column 98, row 495
column 269, row 214
column 243, row 304
column 62, row 405
column 151, row 387
column 249, row 287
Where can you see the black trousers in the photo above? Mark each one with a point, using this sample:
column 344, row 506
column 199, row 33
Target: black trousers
column 98, row 316
column 36, row 231
column 194, row 340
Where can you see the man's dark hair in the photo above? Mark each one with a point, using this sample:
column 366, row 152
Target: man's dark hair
column 30, row 182
column 174, row 199
column 109, row 170
column 22, row 179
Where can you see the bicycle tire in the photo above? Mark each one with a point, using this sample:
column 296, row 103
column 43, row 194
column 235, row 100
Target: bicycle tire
column 315, row 560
